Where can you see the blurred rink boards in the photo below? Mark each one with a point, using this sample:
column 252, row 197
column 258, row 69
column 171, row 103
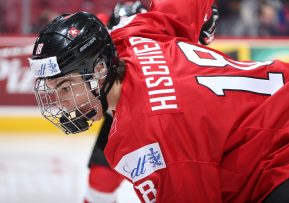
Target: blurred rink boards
column 38, row 163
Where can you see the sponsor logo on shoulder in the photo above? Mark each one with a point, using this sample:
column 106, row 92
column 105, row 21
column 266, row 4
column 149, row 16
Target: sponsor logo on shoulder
column 141, row 162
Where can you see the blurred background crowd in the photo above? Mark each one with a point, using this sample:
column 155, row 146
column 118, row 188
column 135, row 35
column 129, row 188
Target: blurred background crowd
column 238, row 18
column 254, row 17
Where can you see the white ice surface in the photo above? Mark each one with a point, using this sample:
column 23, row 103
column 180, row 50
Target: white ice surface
column 48, row 169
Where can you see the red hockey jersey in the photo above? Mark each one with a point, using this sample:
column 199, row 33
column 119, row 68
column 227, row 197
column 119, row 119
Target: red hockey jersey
column 193, row 125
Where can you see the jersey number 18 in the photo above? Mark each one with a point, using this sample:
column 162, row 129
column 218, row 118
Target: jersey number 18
column 218, row 84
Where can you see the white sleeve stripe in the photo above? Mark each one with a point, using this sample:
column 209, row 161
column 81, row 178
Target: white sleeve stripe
column 94, row 196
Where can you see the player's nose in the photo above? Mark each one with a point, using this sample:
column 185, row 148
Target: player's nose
column 64, row 105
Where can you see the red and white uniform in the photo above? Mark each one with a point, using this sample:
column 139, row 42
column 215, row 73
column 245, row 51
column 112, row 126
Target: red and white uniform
column 191, row 124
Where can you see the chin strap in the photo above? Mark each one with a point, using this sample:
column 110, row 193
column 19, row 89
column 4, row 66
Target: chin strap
column 109, row 81
column 104, row 103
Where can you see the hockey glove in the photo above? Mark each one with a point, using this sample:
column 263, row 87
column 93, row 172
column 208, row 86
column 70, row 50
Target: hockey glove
column 209, row 27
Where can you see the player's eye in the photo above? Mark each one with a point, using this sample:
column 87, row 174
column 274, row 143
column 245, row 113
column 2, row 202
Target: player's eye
column 65, row 89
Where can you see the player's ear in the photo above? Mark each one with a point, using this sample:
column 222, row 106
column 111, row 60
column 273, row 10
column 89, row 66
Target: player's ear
column 99, row 67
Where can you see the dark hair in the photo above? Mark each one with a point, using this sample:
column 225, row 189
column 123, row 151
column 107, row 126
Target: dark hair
column 120, row 70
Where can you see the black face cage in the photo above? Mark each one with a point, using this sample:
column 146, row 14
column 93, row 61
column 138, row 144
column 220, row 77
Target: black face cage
column 82, row 97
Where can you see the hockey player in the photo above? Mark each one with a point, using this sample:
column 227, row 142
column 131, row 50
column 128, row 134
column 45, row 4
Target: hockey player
column 103, row 182
column 190, row 124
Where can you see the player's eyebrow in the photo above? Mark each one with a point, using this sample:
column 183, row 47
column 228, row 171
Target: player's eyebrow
column 63, row 81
